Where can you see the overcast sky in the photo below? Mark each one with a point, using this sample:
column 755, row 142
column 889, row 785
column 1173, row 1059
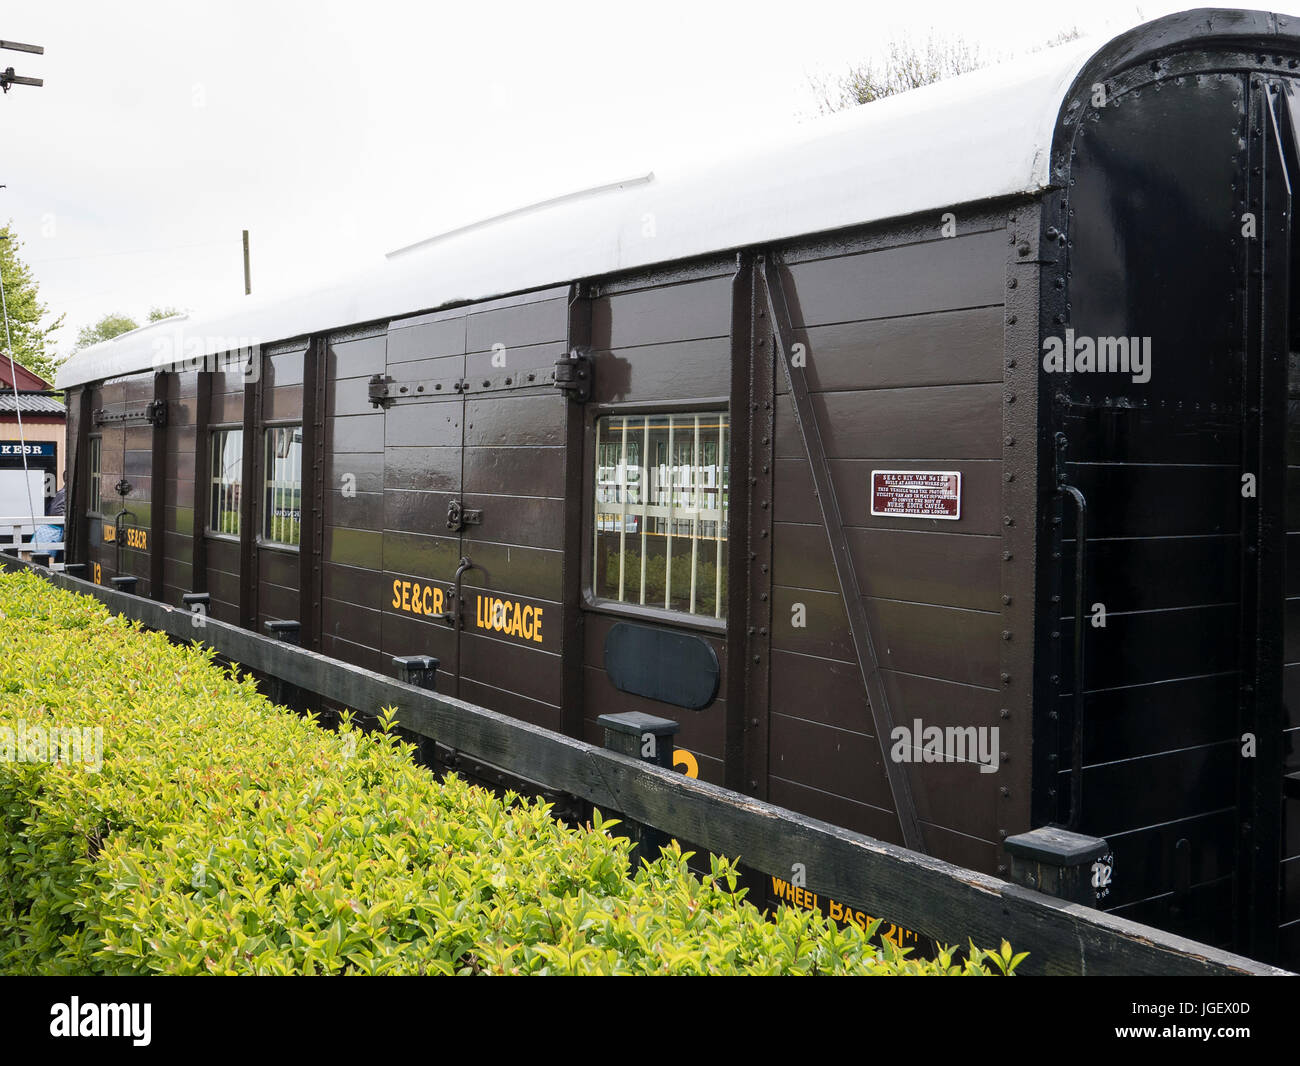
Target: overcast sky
column 337, row 131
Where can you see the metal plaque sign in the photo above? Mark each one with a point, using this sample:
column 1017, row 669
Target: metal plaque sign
column 916, row 494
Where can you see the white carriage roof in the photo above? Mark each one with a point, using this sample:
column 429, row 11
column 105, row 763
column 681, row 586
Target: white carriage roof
column 968, row 139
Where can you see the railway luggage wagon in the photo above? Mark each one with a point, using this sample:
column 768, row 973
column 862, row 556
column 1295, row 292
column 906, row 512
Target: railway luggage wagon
column 935, row 467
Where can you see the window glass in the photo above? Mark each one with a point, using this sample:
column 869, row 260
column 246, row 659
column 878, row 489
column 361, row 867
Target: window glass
column 282, row 503
column 227, row 479
column 661, row 511
column 96, row 488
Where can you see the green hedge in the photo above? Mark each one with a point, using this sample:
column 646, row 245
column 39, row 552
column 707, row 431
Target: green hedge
column 223, row 835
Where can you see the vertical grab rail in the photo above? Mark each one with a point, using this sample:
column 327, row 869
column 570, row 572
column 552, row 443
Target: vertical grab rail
column 1080, row 574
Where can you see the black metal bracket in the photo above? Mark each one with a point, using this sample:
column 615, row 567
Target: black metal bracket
column 384, row 391
column 379, row 389
column 153, row 413
column 575, row 375
column 122, row 488
column 459, row 516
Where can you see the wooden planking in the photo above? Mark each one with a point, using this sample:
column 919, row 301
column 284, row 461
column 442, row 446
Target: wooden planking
column 422, row 511
column 919, row 892
column 794, row 500
column 838, row 761
column 530, row 573
column 518, row 707
column 942, row 348
column 276, row 602
column 348, row 396
column 1137, row 574
column 1148, row 854
column 935, row 568
column 278, row 566
column 943, row 642
column 478, row 616
column 1205, row 913
column 347, row 621
column 666, row 314
column 406, row 634
column 537, row 359
column 912, row 279
column 523, row 421
column 356, row 510
column 352, row 547
column 536, row 471
column 674, row 370
column 349, row 584
column 426, row 556
column 227, row 408
column 511, row 663
column 518, row 325
column 425, row 337
column 1148, row 500
column 355, row 433
column 527, row 521
column 363, row 471
column 1175, row 784
column 285, row 369
column 282, row 403
column 424, row 424
column 1120, row 722
column 368, row 658
column 417, row 467
column 904, row 350
column 665, row 342
column 951, row 422
column 1153, row 646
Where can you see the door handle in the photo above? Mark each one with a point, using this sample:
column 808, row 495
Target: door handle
column 452, row 615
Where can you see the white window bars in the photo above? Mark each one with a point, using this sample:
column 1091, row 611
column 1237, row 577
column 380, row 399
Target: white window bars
column 661, row 511
column 282, row 513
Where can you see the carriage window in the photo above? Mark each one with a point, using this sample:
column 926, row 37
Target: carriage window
column 227, row 479
column 661, row 511
column 282, row 502
column 96, row 492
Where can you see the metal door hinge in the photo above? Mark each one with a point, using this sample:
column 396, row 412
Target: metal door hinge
column 575, row 375
column 379, row 390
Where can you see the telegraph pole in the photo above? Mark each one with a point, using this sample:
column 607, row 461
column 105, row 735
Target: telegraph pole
column 8, row 77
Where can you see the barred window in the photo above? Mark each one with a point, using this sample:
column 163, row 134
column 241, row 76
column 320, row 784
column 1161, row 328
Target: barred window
column 282, row 510
column 96, row 488
column 227, row 480
column 661, row 511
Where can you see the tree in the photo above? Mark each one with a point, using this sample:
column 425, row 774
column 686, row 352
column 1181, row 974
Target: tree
column 908, row 66
column 108, row 327
column 115, row 323
column 26, row 313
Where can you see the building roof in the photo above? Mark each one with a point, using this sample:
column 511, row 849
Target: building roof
column 28, row 381
column 979, row 137
column 30, row 403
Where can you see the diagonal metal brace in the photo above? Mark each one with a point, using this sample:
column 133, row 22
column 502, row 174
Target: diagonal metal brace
column 806, row 418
